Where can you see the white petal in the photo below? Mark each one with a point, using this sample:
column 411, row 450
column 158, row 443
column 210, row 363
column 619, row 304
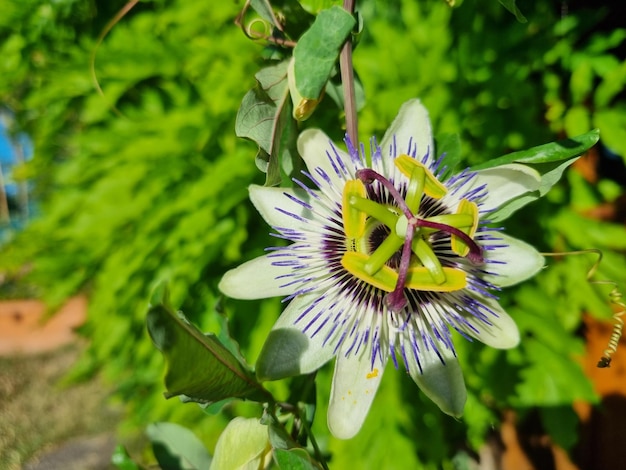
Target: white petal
column 257, row 279
column 410, row 127
column 268, row 200
column 515, row 263
column 505, row 183
column 442, row 383
column 314, row 146
column 287, row 350
column 501, row 333
column 353, row 390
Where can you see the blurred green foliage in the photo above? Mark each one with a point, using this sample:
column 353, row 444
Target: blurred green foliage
column 148, row 182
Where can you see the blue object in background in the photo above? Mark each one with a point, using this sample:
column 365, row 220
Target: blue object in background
column 15, row 201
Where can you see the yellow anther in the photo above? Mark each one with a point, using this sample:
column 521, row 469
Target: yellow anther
column 421, row 279
column 353, row 219
column 418, row 278
column 411, row 168
column 384, row 278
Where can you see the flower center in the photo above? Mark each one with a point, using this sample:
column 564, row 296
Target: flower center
column 408, row 235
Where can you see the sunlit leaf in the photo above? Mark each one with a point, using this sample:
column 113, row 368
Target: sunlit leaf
column 576, row 120
column 613, row 82
column 198, row 365
column 317, row 50
column 581, row 81
column 315, row 6
column 176, row 447
column 613, row 124
column 552, row 379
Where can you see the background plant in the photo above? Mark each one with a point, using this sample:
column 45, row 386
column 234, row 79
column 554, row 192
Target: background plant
column 158, row 190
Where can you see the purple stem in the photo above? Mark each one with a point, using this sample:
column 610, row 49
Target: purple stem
column 367, row 175
column 475, row 255
column 347, row 80
column 396, row 300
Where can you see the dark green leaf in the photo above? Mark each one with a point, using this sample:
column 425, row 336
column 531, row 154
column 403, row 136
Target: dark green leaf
column 176, row 447
column 199, row 366
column 547, row 153
column 215, row 408
column 279, row 438
column 550, row 160
column 284, row 153
column 264, row 116
column 294, row 459
column 512, row 7
column 318, row 49
column 227, row 340
column 259, row 108
column 304, row 392
column 561, row 423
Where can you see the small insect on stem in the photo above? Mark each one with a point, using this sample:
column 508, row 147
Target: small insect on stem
column 615, row 297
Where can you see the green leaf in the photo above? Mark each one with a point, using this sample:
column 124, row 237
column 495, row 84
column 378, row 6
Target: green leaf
column 552, row 379
column 581, row 81
column 199, row 366
column 263, row 116
column 547, row 153
column 280, row 438
column 561, row 423
column 294, row 459
column 176, row 447
column 259, row 107
column 317, row 50
column 550, row 160
column 284, row 153
column 512, row 7
column 243, row 444
column 613, row 124
column 576, row 120
column 121, row 460
column 216, row 408
column 303, row 391
column 613, row 82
